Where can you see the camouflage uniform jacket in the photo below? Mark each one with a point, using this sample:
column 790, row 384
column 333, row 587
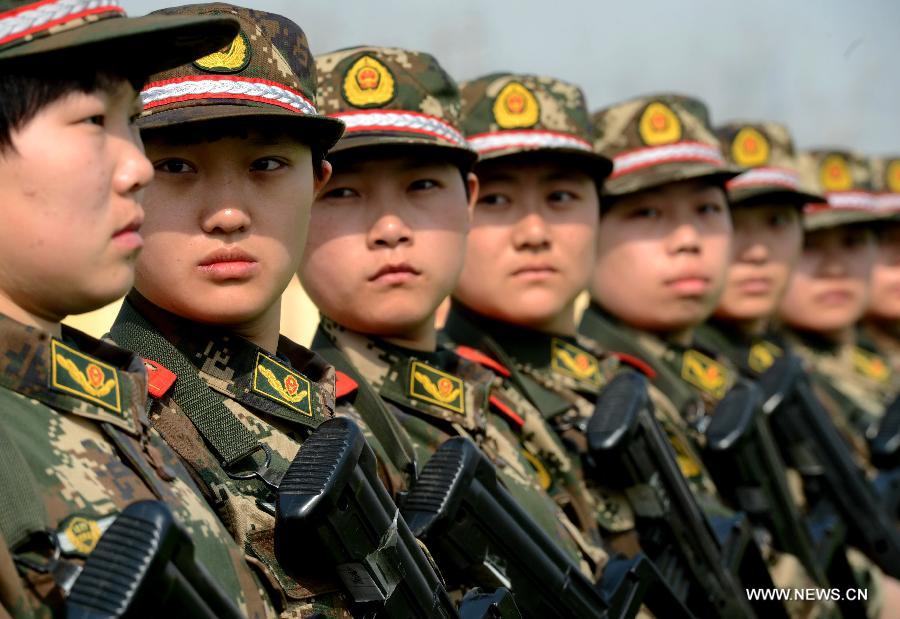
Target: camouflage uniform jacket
column 561, row 377
column 437, row 395
column 277, row 400
column 679, row 408
column 72, row 412
column 853, row 383
column 886, row 342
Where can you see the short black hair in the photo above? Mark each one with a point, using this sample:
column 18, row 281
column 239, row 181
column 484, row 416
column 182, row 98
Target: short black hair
column 215, row 129
column 26, row 89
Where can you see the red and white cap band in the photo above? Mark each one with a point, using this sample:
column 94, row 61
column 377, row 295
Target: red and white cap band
column 766, row 177
column 225, row 87
column 400, row 121
column 679, row 152
column 851, row 200
column 38, row 17
column 497, row 140
column 887, row 201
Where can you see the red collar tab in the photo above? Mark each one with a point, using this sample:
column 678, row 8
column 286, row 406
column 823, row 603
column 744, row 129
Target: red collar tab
column 638, row 364
column 476, row 356
column 159, row 378
column 506, row 411
column 343, row 385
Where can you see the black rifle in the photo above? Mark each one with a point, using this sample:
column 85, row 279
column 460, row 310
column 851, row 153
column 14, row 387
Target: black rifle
column 884, row 447
column 812, row 444
column 144, row 566
column 746, row 464
column 707, row 563
column 332, row 505
column 475, row 526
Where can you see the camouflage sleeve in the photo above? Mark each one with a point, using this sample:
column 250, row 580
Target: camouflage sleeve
column 14, row 599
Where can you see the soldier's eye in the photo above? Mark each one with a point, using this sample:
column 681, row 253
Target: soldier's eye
column 341, row 192
column 493, row 199
column 561, row 196
column 267, row 164
column 96, row 119
column 710, row 208
column 647, row 212
column 423, row 184
column 174, row 166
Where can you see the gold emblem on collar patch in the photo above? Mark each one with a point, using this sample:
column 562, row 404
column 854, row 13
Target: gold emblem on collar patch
column 436, row 387
column 85, row 377
column 574, row 362
column 516, row 107
column 659, row 125
column 280, row 383
column 762, row 355
column 368, row 83
column 705, row 373
column 834, row 173
column 870, row 365
column 230, row 59
column 750, row 148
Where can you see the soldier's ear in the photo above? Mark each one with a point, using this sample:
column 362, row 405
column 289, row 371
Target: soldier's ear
column 472, row 192
column 321, row 179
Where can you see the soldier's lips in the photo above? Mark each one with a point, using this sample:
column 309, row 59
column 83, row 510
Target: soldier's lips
column 229, row 264
column 754, row 285
column 128, row 237
column 835, row 297
column 692, row 285
column 535, row 272
column 393, row 274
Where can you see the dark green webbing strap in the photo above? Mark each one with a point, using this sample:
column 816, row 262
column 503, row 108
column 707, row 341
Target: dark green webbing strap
column 373, row 410
column 22, row 510
column 206, row 409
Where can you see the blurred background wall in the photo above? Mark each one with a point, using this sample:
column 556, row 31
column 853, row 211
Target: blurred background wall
column 826, row 68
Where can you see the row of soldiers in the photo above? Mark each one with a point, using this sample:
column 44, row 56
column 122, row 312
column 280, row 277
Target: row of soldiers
column 716, row 421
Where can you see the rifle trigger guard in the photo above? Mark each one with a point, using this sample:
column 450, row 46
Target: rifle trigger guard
column 261, row 472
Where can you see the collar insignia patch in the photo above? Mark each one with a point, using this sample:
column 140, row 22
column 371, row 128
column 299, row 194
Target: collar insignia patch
column 705, row 373
column 574, row 362
column 436, row 387
column 870, row 365
column 85, row 377
column 280, row 383
column 762, row 355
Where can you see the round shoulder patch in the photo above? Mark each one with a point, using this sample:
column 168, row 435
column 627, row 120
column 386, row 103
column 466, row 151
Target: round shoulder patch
column 750, row 148
column 368, row 83
column 834, row 173
column 516, row 107
column 230, row 59
column 659, row 125
column 892, row 176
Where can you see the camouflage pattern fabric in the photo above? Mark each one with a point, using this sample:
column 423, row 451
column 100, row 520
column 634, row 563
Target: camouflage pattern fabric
column 507, row 114
column 659, row 139
column 884, row 339
column 561, row 378
column 462, row 402
column 279, row 399
column 766, row 151
column 392, row 96
column 265, row 71
column 73, row 407
column 844, row 178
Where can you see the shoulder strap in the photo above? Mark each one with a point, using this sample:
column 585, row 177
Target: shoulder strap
column 22, row 512
column 373, row 410
column 229, row 438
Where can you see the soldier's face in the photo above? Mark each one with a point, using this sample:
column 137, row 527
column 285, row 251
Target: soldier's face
column 767, row 242
column 662, row 256
column 829, row 289
column 225, row 225
column 884, row 301
column 531, row 247
column 387, row 240
column 70, row 190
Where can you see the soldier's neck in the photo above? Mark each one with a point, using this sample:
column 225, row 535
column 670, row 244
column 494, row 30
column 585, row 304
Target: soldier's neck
column 562, row 323
column 32, row 317
column 264, row 330
column 420, row 337
column 889, row 328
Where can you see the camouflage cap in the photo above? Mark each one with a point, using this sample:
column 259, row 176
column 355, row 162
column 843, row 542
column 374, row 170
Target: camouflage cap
column 844, row 179
column 766, row 148
column 659, row 139
column 506, row 114
column 885, row 172
column 265, row 71
column 390, row 96
column 97, row 33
